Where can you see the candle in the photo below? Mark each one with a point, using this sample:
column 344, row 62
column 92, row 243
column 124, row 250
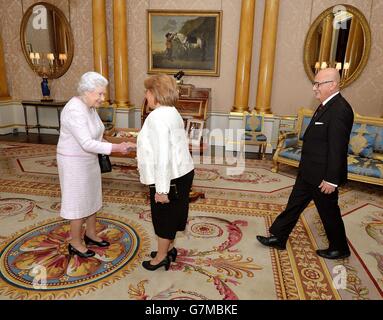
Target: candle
column 32, row 57
column 50, row 57
column 346, row 66
column 37, row 56
column 338, row 66
column 62, row 57
column 317, row 65
column 324, row 65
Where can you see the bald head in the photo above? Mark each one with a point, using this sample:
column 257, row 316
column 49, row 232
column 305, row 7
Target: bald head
column 328, row 80
column 330, row 74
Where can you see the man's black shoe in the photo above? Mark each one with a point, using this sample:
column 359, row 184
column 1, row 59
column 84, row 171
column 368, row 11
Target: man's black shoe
column 333, row 254
column 273, row 242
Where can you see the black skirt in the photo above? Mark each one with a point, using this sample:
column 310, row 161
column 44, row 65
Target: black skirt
column 168, row 218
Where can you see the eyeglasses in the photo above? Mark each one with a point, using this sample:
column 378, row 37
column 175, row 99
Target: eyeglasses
column 316, row 84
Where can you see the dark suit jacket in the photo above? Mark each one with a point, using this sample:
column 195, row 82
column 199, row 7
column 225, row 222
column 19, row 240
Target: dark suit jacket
column 325, row 143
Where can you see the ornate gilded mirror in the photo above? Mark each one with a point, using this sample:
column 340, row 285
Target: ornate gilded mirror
column 341, row 38
column 47, row 40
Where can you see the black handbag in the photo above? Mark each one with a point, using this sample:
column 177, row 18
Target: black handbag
column 173, row 192
column 105, row 164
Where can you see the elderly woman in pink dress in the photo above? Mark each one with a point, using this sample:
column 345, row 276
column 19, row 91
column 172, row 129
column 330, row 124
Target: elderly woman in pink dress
column 78, row 147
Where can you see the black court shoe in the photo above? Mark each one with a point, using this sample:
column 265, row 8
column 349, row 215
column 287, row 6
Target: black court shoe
column 102, row 243
column 172, row 254
column 152, row 267
column 73, row 251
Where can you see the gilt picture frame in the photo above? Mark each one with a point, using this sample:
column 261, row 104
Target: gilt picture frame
column 184, row 40
column 194, row 130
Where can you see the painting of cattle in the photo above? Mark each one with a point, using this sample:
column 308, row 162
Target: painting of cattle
column 184, row 40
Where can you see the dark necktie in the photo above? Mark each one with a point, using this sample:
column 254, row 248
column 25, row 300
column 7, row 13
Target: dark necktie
column 319, row 109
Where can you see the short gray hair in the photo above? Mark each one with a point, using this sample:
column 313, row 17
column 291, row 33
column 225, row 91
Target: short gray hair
column 90, row 81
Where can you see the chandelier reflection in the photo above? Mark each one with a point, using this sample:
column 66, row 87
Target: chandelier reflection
column 343, row 68
column 46, row 64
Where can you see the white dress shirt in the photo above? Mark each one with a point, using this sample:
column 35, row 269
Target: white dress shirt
column 162, row 149
column 329, row 98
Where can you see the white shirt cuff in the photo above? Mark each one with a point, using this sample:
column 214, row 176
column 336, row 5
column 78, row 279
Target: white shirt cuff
column 331, row 184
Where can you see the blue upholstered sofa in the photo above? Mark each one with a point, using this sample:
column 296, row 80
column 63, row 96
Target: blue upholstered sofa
column 365, row 151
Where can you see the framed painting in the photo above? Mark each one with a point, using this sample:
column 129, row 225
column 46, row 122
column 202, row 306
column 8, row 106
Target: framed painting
column 194, row 129
column 184, row 40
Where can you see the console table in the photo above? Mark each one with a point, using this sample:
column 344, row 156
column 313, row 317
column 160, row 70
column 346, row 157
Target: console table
column 58, row 105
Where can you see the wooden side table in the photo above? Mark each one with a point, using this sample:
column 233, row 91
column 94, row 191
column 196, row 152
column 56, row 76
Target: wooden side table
column 58, row 105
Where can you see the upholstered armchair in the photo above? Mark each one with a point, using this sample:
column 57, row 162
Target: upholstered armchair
column 253, row 124
column 107, row 115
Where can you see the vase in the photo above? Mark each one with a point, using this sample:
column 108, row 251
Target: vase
column 45, row 89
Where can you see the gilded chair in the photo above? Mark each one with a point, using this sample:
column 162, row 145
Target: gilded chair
column 253, row 124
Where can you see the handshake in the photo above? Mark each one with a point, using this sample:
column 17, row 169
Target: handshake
column 123, row 147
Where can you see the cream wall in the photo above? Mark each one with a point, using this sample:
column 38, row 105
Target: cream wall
column 291, row 87
column 223, row 86
column 23, row 83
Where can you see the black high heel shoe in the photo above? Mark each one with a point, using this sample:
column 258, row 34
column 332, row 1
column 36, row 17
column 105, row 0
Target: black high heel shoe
column 102, row 243
column 72, row 251
column 172, row 254
column 152, row 267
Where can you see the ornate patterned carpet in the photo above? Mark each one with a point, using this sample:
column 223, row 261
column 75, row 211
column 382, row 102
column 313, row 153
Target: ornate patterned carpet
column 219, row 257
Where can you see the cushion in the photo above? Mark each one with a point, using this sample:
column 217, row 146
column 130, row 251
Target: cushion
column 371, row 129
column 293, row 153
column 254, row 123
column 253, row 136
column 290, row 142
column 361, row 144
column 261, row 137
column 365, row 167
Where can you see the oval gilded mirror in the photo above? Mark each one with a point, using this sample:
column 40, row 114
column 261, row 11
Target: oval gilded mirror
column 340, row 38
column 47, row 40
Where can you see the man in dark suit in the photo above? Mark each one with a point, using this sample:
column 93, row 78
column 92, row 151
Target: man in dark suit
column 322, row 168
